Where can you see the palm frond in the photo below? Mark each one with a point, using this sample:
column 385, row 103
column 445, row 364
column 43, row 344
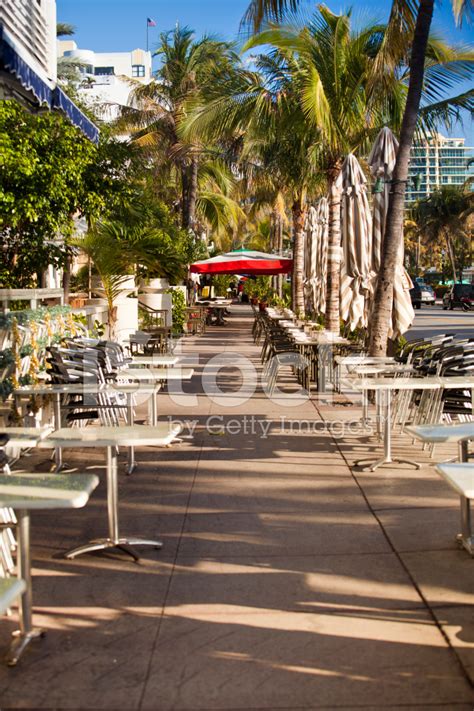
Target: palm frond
column 219, row 211
column 260, row 11
column 446, row 113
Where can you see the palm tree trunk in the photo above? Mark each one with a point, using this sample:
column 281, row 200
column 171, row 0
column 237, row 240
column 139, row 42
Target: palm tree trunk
column 299, row 219
column 184, row 198
column 67, row 278
column 272, row 243
column 394, row 225
column 334, row 252
column 451, row 256
column 279, row 247
column 192, row 194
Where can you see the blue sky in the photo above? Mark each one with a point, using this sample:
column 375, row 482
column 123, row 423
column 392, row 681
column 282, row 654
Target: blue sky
column 120, row 25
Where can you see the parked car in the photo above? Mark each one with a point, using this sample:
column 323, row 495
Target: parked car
column 459, row 296
column 422, row 294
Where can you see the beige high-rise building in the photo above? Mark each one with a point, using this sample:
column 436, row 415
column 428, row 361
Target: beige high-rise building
column 437, row 161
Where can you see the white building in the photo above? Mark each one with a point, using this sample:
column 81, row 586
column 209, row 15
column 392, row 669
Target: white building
column 105, row 75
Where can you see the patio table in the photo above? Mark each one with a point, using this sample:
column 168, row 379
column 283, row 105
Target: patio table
column 323, row 343
column 456, row 382
column 218, row 307
column 56, row 390
column 25, row 436
column 153, row 360
column 350, row 361
column 439, row 433
column 386, row 386
column 110, row 438
column 365, row 371
column 460, row 476
column 158, row 376
column 130, row 390
column 462, row 480
column 26, row 492
column 146, row 387
column 161, row 375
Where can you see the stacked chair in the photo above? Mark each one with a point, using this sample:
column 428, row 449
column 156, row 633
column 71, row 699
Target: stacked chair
column 94, row 362
column 443, row 356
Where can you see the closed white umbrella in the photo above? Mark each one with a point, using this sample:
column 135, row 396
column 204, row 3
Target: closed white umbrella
column 382, row 163
column 356, row 224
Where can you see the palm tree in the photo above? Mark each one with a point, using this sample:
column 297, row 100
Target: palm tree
column 64, row 29
column 68, row 68
column 262, row 109
column 261, row 10
column 118, row 248
column 190, row 68
column 335, row 65
column 444, row 217
column 404, row 16
column 394, row 223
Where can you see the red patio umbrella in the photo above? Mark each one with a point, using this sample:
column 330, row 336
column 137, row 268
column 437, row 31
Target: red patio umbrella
column 246, row 261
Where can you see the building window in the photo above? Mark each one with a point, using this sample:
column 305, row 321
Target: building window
column 138, row 70
column 104, row 71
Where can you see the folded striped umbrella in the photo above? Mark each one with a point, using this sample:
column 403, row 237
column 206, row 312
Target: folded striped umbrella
column 382, row 163
column 356, row 226
column 320, row 283
column 316, row 255
column 310, row 253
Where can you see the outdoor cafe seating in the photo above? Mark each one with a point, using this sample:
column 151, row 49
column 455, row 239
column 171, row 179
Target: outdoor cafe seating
column 92, row 382
column 428, row 383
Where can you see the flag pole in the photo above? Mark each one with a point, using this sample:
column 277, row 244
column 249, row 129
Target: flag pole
column 147, row 34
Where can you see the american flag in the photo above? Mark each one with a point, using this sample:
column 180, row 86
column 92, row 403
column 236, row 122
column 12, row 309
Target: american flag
column 150, row 22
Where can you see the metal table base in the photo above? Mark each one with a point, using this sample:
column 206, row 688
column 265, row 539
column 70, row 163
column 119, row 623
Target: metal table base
column 387, row 458
column 27, row 633
column 113, row 540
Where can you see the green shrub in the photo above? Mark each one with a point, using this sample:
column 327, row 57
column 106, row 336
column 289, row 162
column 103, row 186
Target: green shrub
column 80, row 280
column 178, row 306
column 221, row 283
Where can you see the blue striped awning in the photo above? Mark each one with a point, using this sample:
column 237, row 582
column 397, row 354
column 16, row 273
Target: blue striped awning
column 62, row 102
column 39, row 91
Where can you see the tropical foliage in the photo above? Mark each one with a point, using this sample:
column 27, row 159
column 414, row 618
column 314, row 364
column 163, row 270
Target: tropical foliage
column 444, row 221
column 228, row 149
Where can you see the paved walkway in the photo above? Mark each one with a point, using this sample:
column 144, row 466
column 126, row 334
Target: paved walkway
column 287, row 580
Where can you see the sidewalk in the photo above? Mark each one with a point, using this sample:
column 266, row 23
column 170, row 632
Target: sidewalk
column 287, row 579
